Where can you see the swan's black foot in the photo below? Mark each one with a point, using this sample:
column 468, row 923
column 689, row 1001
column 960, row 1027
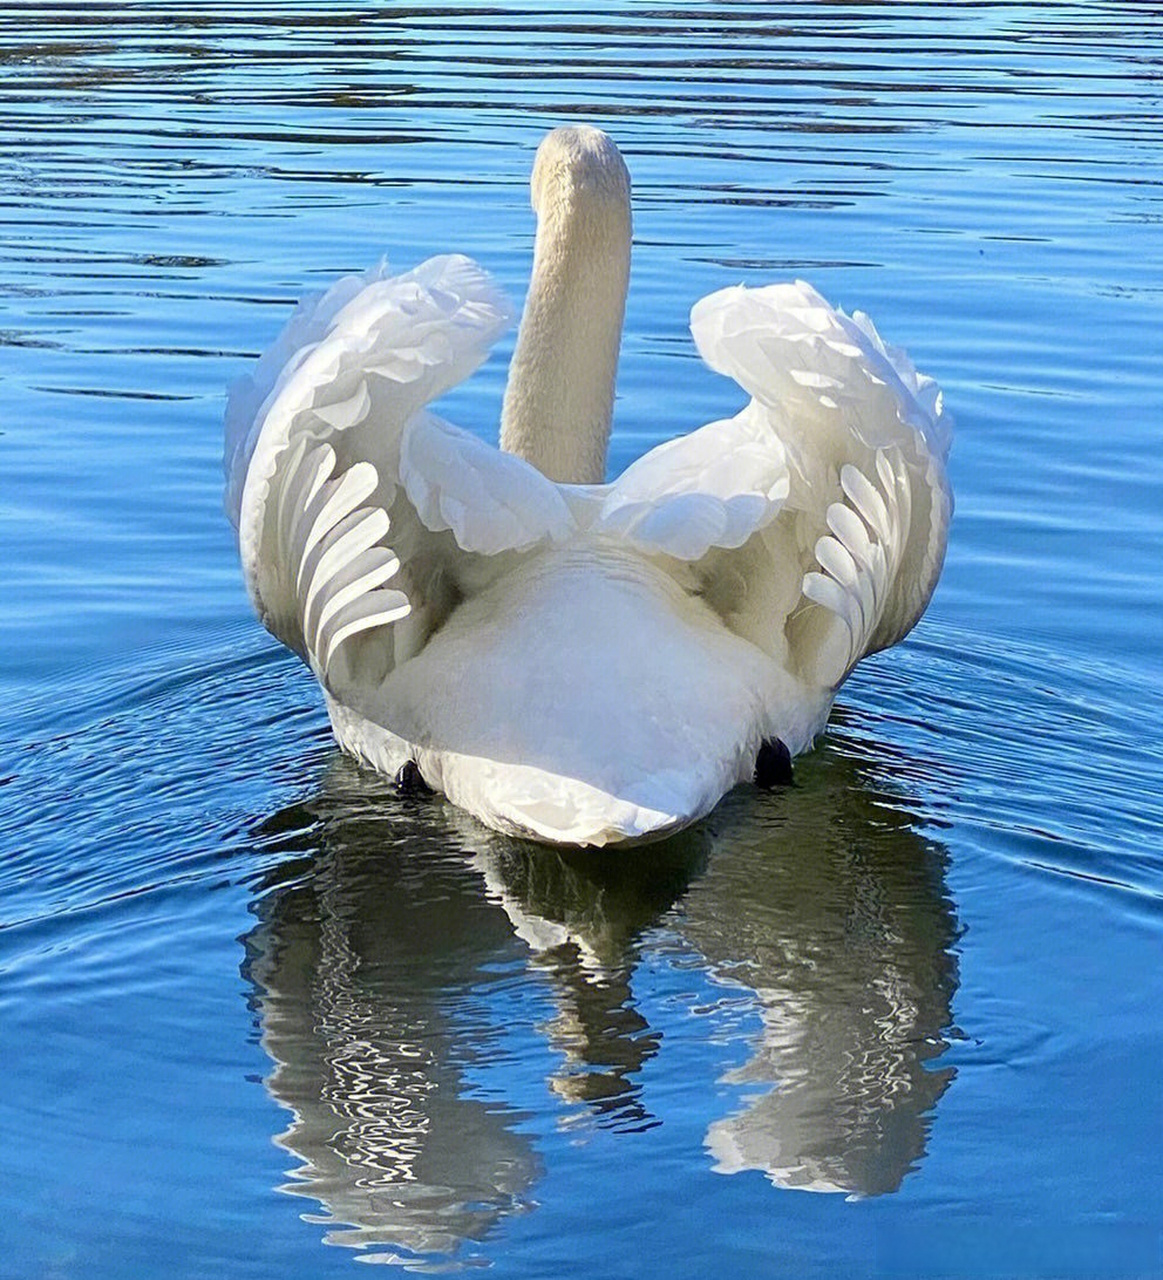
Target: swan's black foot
column 773, row 765
column 410, row 782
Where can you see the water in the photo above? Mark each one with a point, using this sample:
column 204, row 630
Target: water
column 261, row 1017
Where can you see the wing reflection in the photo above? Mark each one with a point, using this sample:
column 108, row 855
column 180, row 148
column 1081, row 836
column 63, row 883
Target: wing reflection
column 368, row 961
column 379, row 950
column 837, row 916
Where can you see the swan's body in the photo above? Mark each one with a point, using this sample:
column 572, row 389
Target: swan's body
column 566, row 659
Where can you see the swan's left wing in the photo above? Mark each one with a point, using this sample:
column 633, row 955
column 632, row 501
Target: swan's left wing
column 356, row 510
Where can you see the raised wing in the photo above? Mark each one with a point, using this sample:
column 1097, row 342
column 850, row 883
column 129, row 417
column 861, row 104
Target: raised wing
column 354, row 509
column 862, row 532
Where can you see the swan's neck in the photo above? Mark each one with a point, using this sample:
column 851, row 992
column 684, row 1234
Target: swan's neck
column 560, row 395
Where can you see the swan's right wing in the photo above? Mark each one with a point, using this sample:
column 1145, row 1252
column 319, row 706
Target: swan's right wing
column 866, row 518
column 355, row 511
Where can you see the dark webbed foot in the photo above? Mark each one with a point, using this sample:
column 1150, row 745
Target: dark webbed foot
column 410, row 782
column 773, row 765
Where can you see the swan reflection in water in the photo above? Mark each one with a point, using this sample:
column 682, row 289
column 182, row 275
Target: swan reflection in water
column 381, row 950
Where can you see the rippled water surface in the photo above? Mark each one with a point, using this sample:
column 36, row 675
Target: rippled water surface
column 260, row 1016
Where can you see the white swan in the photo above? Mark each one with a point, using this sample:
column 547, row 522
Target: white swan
column 570, row 660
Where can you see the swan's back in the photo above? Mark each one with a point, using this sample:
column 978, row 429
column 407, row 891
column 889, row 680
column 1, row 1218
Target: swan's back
column 587, row 699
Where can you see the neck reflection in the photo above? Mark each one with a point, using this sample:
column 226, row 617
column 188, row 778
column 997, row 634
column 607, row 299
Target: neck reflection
column 380, row 951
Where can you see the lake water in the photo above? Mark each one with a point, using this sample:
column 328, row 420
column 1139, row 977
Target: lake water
column 259, row 1016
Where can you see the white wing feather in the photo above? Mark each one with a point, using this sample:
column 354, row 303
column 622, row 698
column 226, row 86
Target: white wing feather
column 713, row 488
column 344, row 493
column 491, row 501
column 866, row 519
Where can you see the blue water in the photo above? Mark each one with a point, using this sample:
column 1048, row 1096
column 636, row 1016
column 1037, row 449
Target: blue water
column 261, row 1017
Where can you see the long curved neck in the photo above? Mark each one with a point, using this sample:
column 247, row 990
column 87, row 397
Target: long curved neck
column 560, row 395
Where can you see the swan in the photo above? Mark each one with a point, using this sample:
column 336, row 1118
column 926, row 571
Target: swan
column 571, row 660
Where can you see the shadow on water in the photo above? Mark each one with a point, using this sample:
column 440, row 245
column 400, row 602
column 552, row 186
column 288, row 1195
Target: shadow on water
column 389, row 926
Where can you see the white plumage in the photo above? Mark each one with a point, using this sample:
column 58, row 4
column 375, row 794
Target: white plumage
column 571, row 660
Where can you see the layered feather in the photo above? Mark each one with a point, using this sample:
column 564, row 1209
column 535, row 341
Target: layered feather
column 315, row 483
column 713, row 488
column 866, row 438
